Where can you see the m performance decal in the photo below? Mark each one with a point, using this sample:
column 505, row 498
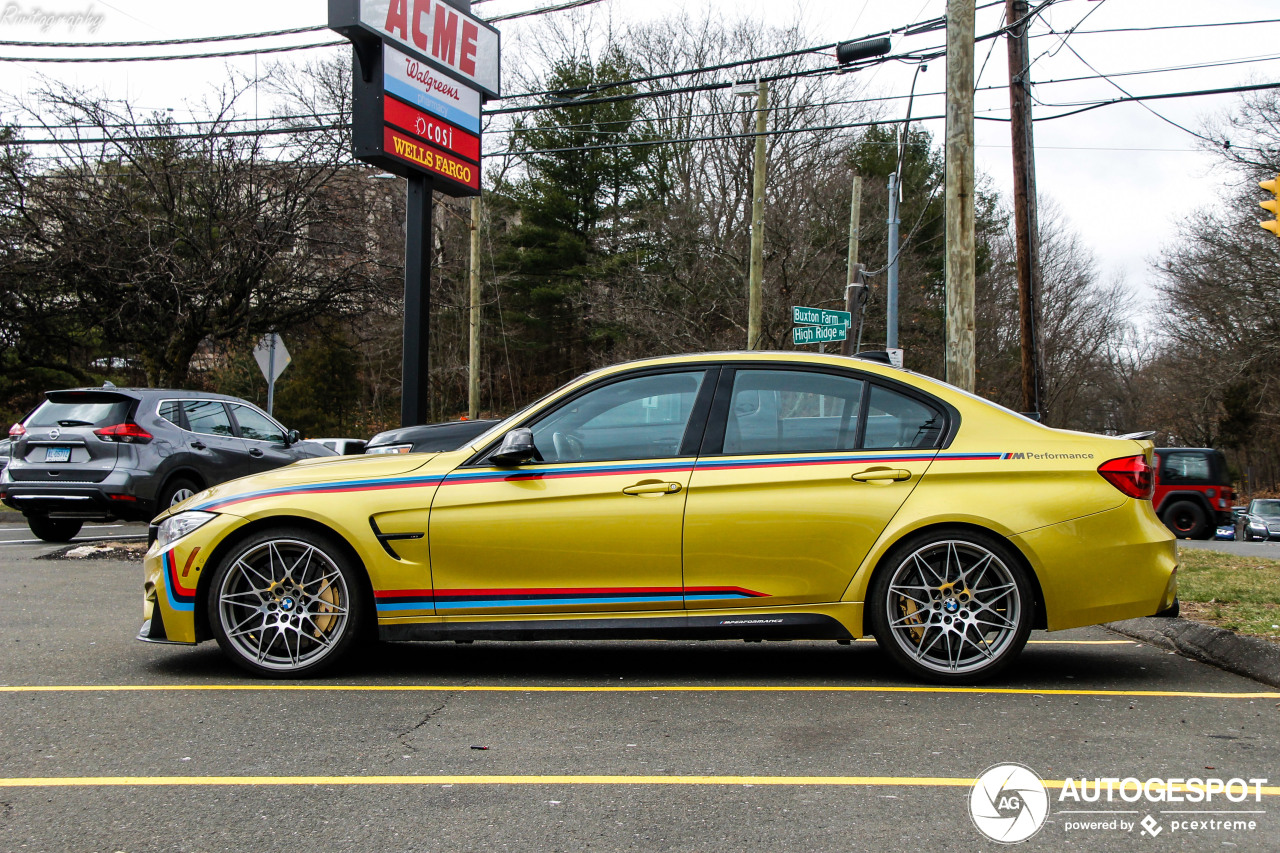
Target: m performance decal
column 336, row 487
column 179, row 597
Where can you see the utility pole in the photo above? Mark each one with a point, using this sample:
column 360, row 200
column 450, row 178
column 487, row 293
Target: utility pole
column 1026, row 230
column 754, row 305
column 473, row 361
column 855, row 287
column 959, row 202
column 891, row 285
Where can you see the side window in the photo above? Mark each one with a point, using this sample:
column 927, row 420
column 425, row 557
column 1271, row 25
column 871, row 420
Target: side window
column 208, row 417
column 640, row 418
column 792, row 411
column 256, row 426
column 896, row 420
column 169, row 411
column 1185, row 468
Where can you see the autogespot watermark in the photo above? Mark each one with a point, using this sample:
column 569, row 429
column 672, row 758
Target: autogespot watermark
column 18, row 15
column 1009, row 803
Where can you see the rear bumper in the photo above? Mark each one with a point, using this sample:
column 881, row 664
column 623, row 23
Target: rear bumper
column 113, row 498
column 1119, row 564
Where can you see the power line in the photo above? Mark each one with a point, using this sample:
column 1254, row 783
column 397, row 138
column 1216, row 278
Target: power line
column 1166, row 27
column 511, row 16
column 179, row 56
column 163, row 42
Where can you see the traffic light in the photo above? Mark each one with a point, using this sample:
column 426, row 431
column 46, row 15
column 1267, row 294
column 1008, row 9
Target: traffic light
column 1272, row 204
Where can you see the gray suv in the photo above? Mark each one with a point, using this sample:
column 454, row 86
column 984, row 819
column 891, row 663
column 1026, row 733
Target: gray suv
column 98, row 454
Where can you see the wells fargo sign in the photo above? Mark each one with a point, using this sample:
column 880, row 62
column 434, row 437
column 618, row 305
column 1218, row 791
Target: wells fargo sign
column 422, row 69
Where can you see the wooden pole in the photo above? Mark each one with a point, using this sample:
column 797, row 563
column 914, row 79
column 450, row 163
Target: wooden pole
column 754, row 306
column 852, row 303
column 959, row 202
column 1026, row 235
column 473, row 360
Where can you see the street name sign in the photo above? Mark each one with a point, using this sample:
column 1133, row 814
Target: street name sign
column 818, row 334
column 802, row 316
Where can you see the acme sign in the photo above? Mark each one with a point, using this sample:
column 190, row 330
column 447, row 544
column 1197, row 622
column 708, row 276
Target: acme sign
column 446, row 37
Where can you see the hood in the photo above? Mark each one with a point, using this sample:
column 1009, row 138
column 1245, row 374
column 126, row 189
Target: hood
column 322, row 469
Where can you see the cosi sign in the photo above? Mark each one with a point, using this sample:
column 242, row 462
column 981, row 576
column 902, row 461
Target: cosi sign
column 422, row 69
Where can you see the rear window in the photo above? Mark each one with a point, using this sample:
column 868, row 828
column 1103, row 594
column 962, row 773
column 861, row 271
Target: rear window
column 1192, row 468
column 87, row 411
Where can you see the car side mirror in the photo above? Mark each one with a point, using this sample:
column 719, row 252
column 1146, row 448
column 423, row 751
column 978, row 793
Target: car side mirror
column 517, row 448
column 292, row 438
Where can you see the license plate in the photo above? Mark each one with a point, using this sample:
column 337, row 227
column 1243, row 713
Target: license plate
column 57, row 454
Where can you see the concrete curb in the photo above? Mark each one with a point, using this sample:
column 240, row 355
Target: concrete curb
column 1247, row 656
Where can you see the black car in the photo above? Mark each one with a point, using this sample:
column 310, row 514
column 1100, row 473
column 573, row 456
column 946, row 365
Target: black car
column 428, row 438
column 99, row 454
column 1260, row 521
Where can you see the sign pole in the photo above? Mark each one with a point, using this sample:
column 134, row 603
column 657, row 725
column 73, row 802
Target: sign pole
column 415, row 396
column 271, row 373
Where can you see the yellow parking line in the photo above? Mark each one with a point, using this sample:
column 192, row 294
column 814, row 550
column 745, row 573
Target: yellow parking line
column 831, row 781
column 654, row 688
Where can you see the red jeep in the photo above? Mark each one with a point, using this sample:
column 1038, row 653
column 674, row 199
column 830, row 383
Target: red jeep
column 1193, row 491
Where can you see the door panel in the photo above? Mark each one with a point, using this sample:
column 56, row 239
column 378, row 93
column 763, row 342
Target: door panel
column 215, row 451
column 789, row 514
column 595, row 527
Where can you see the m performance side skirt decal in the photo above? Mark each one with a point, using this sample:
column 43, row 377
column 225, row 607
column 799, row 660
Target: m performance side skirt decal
column 390, row 601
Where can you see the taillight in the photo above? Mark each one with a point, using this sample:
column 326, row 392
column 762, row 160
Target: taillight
column 17, row 431
column 127, row 433
column 1131, row 475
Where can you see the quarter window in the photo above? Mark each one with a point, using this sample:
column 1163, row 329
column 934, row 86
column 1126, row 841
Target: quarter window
column 896, row 420
column 208, row 417
column 792, row 411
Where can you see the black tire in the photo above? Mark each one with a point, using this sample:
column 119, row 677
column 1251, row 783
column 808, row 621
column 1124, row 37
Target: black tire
column 175, row 491
column 1186, row 519
column 54, row 529
column 302, row 593
column 924, row 624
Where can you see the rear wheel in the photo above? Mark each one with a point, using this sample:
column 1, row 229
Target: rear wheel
column 952, row 606
column 54, row 529
column 286, row 603
column 175, row 492
column 1187, row 520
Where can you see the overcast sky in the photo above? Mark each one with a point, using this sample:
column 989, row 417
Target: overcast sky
column 1123, row 176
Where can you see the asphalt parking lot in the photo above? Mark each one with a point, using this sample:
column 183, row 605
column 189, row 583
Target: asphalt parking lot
column 114, row 745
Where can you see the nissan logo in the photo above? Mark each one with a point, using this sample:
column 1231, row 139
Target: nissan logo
column 54, row 433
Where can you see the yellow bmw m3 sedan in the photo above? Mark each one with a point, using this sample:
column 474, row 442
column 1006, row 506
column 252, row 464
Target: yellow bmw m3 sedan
column 723, row 496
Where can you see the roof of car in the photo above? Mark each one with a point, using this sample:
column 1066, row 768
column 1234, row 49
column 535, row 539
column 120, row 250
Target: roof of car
column 139, row 393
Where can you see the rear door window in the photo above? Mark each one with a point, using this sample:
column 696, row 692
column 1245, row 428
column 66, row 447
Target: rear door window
column 792, row 411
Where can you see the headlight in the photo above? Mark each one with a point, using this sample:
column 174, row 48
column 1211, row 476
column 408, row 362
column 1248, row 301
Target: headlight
column 390, row 448
column 177, row 526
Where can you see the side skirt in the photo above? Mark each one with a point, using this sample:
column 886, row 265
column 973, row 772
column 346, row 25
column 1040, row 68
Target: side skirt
column 756, row 626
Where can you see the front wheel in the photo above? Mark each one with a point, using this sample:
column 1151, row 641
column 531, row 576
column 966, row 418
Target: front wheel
column 953, row 606
column 286, row 603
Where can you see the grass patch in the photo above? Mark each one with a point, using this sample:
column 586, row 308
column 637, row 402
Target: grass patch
column 1241, row 594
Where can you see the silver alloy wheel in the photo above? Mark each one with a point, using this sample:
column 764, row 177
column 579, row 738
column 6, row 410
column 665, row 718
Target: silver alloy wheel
column 180, row 495
column 953, row 606
column 283, row 604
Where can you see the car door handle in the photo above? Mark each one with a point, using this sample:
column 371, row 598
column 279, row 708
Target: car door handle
column 198, row 445
column 652, row 489
column 255, row 452
column 872, row 474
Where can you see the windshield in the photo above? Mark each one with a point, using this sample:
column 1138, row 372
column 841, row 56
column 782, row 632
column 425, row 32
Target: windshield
column 86, row 411
column 1267, row 508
